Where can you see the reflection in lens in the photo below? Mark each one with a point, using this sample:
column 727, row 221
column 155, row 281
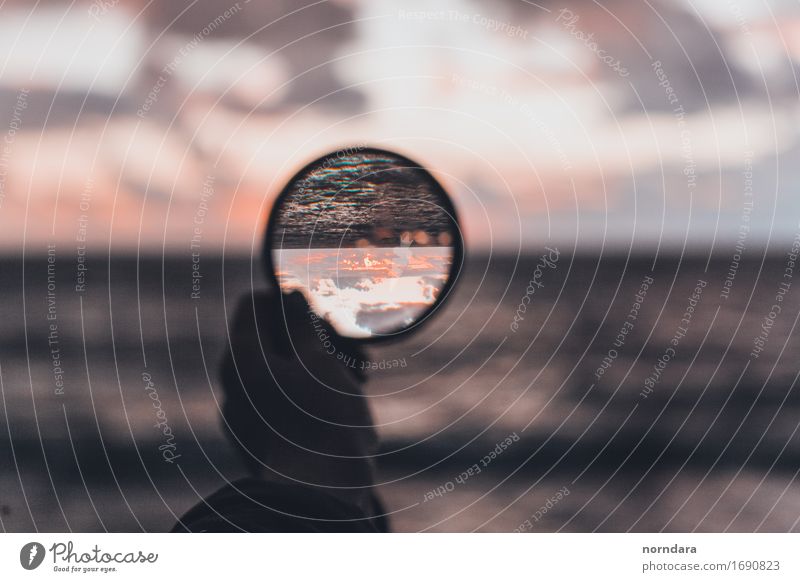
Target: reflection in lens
column 368, row 238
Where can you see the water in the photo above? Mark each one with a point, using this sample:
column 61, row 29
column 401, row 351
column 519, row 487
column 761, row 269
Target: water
column 364, row 199
column 713, row 447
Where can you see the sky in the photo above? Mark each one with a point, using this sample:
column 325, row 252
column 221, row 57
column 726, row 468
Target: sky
column 589, row 125
column 365, row 292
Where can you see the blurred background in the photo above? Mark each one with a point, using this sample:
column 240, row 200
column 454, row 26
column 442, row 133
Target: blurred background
column 142, row 146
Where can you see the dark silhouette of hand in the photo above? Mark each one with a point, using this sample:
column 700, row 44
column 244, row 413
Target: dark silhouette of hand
column 293, row 404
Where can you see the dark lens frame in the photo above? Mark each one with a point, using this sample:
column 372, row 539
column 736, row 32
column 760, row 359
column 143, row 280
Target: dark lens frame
column 436, row 189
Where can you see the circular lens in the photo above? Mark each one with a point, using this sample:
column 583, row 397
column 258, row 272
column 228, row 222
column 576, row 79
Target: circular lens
column 369, row 237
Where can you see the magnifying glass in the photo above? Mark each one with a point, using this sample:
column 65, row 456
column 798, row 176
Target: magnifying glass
column 370, row 238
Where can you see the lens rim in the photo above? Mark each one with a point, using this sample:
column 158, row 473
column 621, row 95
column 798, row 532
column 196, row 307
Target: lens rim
column 456, row 265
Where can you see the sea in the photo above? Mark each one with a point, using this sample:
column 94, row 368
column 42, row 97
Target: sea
column 551, row 392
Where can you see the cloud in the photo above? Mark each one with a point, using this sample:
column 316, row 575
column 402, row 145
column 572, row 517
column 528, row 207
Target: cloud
column 375, row 296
